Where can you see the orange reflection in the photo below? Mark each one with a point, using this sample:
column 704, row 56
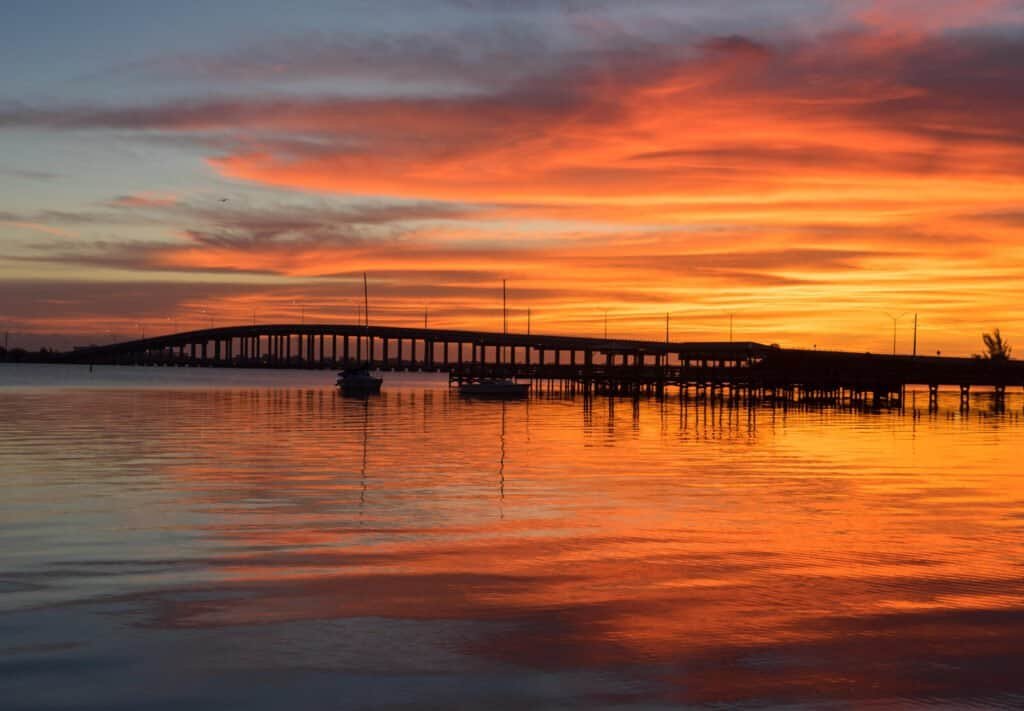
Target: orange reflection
column 721, row 554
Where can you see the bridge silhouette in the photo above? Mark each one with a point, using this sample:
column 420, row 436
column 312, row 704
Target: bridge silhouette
column 592, row 365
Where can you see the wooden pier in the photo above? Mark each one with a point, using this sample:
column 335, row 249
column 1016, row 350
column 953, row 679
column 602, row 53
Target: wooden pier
column 720, row 371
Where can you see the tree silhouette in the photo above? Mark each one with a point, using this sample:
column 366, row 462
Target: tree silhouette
column 997, row 348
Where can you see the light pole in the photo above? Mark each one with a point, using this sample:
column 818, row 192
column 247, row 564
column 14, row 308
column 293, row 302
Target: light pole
column 504, row 306
column 915, row 335
column 895, row 320
column 606, row 324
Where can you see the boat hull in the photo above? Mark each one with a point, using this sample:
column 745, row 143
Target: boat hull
column 359, row 385
column 495, row 390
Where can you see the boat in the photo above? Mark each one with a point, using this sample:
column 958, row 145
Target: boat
column 495, row 387
column 359, row 381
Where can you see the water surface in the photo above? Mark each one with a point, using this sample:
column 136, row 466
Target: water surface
column 173, row 537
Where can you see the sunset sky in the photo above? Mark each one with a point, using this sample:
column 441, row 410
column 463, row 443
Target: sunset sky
column 805, row 165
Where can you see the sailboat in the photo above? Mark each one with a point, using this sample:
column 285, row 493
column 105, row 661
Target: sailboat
column 358, row 380
column 497, row 387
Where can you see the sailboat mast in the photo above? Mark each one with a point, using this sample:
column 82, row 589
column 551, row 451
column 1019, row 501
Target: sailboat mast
column 366, row 304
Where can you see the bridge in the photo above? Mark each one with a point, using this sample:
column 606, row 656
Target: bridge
column 591, row 365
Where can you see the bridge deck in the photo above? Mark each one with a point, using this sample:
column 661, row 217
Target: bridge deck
column 540, row 356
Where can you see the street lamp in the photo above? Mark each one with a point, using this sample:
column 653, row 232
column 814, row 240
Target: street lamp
column 895, row 320
column 606, row 324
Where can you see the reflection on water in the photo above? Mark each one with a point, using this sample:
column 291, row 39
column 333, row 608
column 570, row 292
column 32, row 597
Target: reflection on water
column 271, row 543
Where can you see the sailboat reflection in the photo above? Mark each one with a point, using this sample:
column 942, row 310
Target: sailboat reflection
column 362, row 467
column 501, row 462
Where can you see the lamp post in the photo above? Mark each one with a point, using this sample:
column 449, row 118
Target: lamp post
column 895, row 320
column 504, row 306
column 606, row 324
column 915, row 335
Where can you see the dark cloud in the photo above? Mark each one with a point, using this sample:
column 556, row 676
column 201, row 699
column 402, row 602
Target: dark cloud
column 220, row 224
column 502, row 53
column 32, row 175
column 949, row 88
column 792, row 259
column 740, row 157
column 72, row 299
column 1008, row 218
column 735, row 44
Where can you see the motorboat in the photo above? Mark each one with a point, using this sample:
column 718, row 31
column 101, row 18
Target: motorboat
column 495, row 387
column 358, row 381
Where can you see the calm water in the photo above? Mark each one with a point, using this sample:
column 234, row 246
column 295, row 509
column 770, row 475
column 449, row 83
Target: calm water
column 220, row 539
